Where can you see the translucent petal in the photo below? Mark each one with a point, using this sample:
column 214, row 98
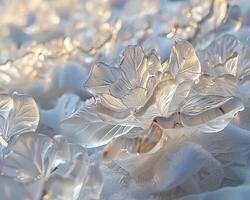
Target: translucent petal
column 135, row 98
column 181, row 93
column 101, row 77
column 210, row 113
column 28, row 158
column 112, row 102
column 221, row 56
column 160, row 98
column 164, row 93
column 133, row 64
column 68, row 185
column 183, row 62
column 19, row 114
column 85, row 127
column 128, row 85
column 225, row 85
column 203, row 113
column 35, row 157
column 6, row 104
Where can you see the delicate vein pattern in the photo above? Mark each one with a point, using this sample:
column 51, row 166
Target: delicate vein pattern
column 124, row 100
column 19, row 114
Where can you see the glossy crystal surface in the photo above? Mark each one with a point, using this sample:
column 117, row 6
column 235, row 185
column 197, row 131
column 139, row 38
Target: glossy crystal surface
column 128, row 100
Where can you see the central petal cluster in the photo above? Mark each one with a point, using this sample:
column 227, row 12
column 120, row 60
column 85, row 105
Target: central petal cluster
column 138, row 103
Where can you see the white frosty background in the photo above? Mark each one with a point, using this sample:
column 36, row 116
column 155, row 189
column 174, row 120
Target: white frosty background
column 125, row 100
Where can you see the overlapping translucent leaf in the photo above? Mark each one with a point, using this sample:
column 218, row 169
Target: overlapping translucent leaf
column 35, row 156
column 52, row 162
column 86, row 127
column 126, row 84
column 183, row 62
column 19, row 114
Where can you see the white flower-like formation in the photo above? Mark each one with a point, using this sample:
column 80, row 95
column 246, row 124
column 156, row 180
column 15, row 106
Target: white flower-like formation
column 41, row 167
column 128, row 100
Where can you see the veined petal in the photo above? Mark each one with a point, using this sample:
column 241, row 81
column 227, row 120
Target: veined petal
column 203, row 113
column 221, row 56
column 225, row 85
column 183, row 63
column 133, row 64
column 86, row 127
column 210, row 113
column 102, row 77
column 19, row 114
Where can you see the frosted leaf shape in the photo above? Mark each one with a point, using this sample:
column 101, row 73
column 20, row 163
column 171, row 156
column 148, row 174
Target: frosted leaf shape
column 221, row 56
column 181, row 93
column 164, row 93
column 36, row 156
column 165, row 99
column 28, row 158
column 204, row 113
column 55, row 163
column 225, row 85
column 210, row 113
column 224, row 56
column 127, row 84
column 159, row 100
column 198, row 104
column 68, row 185
column 86, row 127
column 10, row 189
column 183, row 63
column 19, row 114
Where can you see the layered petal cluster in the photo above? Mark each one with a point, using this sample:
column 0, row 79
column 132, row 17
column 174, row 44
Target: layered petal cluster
column 141, row 93
column 124, row 100
column 51, row 168
column 227, row 56
column 154, row 118
column 36, row 165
